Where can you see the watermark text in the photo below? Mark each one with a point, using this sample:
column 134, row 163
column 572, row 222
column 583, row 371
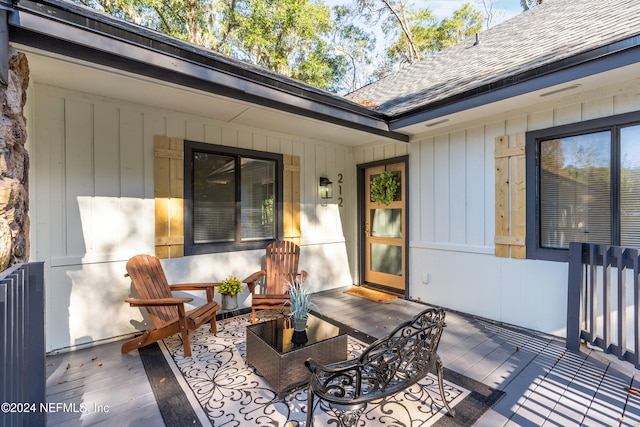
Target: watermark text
column 52, row 407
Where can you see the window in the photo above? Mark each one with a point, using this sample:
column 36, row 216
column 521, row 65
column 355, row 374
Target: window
column 233, row 198
column 586, row 181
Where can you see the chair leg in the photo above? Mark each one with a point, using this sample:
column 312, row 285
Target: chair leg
column 348, row 416
column 441, row 386
column 309, row 407
column 253, row 315
column 136, row 343
column 214, row 325
column 184, row 331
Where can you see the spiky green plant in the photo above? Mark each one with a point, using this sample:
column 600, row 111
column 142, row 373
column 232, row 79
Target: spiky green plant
column 300, row 301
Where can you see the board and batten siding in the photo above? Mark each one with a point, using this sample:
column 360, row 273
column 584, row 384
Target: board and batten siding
column 92, row 188
column 452, row 259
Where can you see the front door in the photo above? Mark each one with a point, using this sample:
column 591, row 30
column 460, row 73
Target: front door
column 385, row 228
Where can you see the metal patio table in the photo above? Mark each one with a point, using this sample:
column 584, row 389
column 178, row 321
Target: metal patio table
column 278, row 352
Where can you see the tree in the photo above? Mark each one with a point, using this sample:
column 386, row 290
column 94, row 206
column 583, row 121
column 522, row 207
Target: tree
column 285, row 36
column 330, row 48
column 488, row 12
column 530, row 4
column 552, row 156
column 354, row 45
column 465, row 22
column 416, row 33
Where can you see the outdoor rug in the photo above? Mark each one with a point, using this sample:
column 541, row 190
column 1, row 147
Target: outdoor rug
column 370, row 294
column 216, row 387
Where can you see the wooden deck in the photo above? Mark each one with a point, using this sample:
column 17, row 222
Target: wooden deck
column 544, row 383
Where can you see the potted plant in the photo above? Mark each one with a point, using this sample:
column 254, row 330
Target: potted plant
column 229, row 289
column 300, row 303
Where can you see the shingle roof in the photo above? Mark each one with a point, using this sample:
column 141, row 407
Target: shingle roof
column 552, row 32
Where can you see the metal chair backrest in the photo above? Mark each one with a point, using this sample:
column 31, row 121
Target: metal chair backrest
column 405, row 356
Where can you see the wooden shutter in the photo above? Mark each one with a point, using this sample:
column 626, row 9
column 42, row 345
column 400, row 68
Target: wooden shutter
column 511, row 212
column 291, row 198
column 169, row 196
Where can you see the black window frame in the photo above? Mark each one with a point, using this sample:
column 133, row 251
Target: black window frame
column 190, row 248
column 533, row 140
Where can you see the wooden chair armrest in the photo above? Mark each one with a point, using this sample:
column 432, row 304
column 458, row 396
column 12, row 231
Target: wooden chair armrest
column 136, row 302
column 193, row 286
column 252, row 279
column 255, row 277
column 303, row 276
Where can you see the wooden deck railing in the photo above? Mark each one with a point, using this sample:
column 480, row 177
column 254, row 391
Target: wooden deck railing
column 22, row 346
column 604, row 313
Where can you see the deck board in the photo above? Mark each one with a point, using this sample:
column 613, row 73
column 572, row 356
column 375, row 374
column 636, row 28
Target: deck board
column 113, row 387
column 632, row 412
column 544, row 383
column 606, row 404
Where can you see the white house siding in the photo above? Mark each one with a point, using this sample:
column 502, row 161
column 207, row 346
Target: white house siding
column 93, row 207
column 452, row 215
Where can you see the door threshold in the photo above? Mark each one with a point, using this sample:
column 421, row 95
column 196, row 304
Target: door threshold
column 383, row 288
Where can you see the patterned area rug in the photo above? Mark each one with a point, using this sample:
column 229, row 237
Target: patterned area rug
column 222, row 390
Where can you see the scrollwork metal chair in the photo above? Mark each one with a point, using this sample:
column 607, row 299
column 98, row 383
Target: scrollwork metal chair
column 386, row 367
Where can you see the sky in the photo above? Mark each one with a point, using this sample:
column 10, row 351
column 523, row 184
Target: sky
column 502, row 9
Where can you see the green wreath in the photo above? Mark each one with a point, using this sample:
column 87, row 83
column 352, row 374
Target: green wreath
column 384, row 187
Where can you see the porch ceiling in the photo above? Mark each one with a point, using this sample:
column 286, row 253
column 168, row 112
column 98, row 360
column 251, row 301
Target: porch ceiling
column 50, row 69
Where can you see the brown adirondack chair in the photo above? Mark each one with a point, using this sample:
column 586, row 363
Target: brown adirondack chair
column 281, row 269
column 167, row 312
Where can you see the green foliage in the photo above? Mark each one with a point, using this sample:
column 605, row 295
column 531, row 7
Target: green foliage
column 288, row 37
column 421, row 35
column 300, row 301
column 330, row 48
column 230, row 286
column 354, row 46
column 384, row 187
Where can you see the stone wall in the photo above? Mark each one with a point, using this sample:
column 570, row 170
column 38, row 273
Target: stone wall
column 14, row 165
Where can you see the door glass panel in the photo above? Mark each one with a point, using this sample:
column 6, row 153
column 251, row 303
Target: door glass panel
column 386, row 259
column 386, row 223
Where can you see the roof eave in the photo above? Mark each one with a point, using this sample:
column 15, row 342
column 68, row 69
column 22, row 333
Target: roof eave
column 605, row 58
column 78, row 33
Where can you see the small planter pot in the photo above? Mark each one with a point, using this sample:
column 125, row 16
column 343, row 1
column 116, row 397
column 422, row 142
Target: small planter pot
column 299, row 324
column 229, row 302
